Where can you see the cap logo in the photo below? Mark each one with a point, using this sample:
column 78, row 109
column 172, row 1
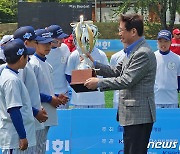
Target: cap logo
column 46, row 35
column 27, row 35
column 164, row 33
column 20, row 52
column 59, row 31
column 50, row 33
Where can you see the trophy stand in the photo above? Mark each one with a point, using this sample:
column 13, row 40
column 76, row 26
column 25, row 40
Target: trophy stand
column 78, row 79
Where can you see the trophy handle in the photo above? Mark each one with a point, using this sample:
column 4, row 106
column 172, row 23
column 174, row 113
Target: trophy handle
column 86, row 63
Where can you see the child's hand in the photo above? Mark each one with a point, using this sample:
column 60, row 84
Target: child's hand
column 23, row 144
column 55, row 102
column 63, row 98
column 42, row 115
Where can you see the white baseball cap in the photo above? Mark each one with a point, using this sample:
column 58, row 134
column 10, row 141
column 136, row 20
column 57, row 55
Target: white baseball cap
column 2, row 55
column 5, row 39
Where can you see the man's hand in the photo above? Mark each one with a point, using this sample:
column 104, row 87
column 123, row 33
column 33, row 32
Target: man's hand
column 42, row 115
column 63, row 98
column 23, row 144
column 91, row 83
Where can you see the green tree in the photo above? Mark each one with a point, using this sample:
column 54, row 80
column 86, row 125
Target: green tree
column 8, row 10
column 69, row 1
column 160, row 7
column 62, row 1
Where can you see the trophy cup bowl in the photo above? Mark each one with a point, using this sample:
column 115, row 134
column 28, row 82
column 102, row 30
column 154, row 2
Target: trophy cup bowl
column 84, row 41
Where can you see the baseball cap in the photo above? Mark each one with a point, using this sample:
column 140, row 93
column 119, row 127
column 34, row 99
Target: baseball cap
column 2, row 57
column 44, row 35
column 165, row 34
column 57, row 32
column 16, row 48
column 5, row 39
column 176, row 31
column 70, row 38
column 26, row 33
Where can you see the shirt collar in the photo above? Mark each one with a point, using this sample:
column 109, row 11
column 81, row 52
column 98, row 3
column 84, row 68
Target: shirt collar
column 129, row 49
column 41, row 58
column 7, row 67
column 164, row 53
column 54, row 47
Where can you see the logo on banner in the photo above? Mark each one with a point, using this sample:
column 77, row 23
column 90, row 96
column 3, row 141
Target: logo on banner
column 104, row 44
column 58, row 146
column 169, row 144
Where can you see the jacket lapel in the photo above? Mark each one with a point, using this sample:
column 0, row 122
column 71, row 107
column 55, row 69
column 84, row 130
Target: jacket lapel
column 126, row 59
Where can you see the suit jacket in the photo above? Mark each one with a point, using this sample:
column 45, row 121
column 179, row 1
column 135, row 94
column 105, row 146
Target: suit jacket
column 135, row 77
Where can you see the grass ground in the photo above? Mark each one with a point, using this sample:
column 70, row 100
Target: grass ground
column 7, row 29
column 109, row 99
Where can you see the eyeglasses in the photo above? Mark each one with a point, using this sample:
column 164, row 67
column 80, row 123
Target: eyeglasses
column 121, row 30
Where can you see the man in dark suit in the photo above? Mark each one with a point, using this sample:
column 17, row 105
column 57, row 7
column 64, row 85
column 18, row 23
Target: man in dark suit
column 135, row 77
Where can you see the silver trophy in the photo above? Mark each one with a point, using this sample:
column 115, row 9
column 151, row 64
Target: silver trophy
column 85, row 36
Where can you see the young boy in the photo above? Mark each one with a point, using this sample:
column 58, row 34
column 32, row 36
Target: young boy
column 17, row 129
column 43, row 72
column 57, row 58
column 5, row 39
column 175, row 45
column 27, row 34
column 168, row 69
column 70, row 43
column 94, row 99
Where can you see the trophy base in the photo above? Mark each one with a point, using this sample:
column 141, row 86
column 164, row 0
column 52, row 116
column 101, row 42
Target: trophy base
column 78, row 79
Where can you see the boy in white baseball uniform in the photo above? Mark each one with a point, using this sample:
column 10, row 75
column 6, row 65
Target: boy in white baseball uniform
column 27, row 34
column 86, row 99
column 93, row 99
column 5, row 39
column 168, row 69
column 43, row 72
column 17, row 126
column 57, row 58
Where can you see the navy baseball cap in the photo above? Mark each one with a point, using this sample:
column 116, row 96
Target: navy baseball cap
column 57, row 32
column 16, row 48
column 165, row 34
column 26, row 33
column 44, row 35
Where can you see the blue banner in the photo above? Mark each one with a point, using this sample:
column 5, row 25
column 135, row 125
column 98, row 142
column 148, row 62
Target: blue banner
column 87, row 131
column 97, row 131
column 114, row 45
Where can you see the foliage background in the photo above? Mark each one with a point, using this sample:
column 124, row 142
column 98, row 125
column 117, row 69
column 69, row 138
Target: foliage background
column 107, row 30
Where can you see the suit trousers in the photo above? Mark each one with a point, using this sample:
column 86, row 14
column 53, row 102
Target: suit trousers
column 136, row 138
